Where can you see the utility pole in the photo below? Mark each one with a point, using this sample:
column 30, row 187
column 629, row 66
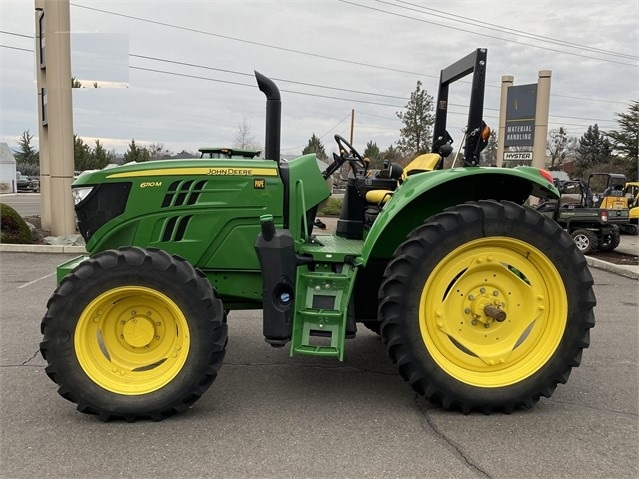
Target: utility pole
column 55, row 114
column 352, row 124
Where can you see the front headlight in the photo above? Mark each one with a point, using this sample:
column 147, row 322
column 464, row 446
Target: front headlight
column 81, row 193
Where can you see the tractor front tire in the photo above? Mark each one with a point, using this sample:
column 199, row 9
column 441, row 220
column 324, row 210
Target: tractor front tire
column 486, row 307
column 132, row 334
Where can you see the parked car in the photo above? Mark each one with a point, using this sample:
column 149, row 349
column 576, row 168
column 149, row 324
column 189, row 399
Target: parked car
column 24, row 183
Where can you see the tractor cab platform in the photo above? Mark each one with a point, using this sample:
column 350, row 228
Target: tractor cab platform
column 331, row 248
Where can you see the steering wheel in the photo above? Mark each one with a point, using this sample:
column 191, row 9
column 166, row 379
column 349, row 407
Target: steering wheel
column 350, row 154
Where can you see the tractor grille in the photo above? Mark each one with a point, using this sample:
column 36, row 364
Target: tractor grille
column 104, row 203
column 175, row 227
column 183, row 193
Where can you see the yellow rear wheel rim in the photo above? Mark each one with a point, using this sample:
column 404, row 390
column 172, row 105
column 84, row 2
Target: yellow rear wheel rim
column 494, row 272
column 132, row 340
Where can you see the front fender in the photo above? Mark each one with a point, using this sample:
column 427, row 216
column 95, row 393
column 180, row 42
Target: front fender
column 425, row 194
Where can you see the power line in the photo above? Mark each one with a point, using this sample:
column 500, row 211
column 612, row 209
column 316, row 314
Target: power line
column 16, row 48
column 175, row 62
column 329, row 97
column 16, row 34
column 250, row 42
column 320, row 137
column 250, row 85
column 502, row 29
column 421, row 20
column 314, row 85
column 253, row 86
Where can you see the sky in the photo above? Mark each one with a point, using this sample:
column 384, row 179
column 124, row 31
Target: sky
column 182, row 71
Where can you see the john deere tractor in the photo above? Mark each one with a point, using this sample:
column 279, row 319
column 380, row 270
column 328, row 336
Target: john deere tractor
column 483, row 303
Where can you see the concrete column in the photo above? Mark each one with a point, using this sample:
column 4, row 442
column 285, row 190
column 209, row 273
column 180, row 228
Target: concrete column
column 56, row 137
column 45, row 170
column 541, row 119
column 506, row 81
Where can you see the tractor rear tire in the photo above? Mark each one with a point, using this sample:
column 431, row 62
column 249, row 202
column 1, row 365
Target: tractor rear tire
column 586, row 240
column 611, row 241
column 133, row 334
column 486, row 307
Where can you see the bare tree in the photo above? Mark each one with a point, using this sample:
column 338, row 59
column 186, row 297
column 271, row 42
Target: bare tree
column 158, row 152
column 244, row 137
column 560, row 147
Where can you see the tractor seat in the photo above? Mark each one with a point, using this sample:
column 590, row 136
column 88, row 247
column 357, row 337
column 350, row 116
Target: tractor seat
column 423, row 163
column 395, row 175
column 378, row 189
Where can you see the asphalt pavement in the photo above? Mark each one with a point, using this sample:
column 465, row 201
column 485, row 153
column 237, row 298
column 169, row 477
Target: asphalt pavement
column 271, row 416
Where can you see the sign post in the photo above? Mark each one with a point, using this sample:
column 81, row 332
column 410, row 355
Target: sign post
column 523, row 122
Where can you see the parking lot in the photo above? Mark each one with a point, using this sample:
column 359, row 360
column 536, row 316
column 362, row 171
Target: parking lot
column 268, row 415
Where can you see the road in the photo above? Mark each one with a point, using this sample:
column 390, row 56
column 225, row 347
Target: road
column 268, row 415
column 26, row 204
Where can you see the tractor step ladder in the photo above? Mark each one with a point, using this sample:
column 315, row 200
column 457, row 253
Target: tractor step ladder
column 319, row 325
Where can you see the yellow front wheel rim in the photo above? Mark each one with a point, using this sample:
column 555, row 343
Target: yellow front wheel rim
column 132, row 340
column 493, row 312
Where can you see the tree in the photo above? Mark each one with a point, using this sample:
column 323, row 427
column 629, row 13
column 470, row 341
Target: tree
column 593, row 149
column 99, row 157
column 392, row 154
column 27, row 157
column 75, row 83
column 244, row 138
column 418, row 119
column 136, row 153
column 488, row 156
column 158, row 152
column 81, row 154
column 373, row 154
column 185, row 154
column 560, row 147
column 315, row 146
column 625, row 141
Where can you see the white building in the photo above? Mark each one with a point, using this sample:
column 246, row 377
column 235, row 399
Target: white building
column 7, row 170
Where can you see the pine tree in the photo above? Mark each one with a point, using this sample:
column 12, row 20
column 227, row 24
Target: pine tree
column 81, row 154
column 594, row 148
column 373, row 154
column 418, row 119
column 315, row 146
column 27, row 154
column 625, row 140
column 100, row 157
column 135, row 153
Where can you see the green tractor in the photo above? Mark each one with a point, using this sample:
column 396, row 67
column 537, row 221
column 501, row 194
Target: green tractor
column 482, row 303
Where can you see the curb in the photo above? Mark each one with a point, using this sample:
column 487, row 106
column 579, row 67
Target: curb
column 42, row 248
column 627, row 271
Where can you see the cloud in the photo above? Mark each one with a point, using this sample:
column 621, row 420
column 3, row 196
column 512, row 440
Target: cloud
column 346, row 45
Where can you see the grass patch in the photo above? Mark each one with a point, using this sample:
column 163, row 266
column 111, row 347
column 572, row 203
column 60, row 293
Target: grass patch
column 332, row 207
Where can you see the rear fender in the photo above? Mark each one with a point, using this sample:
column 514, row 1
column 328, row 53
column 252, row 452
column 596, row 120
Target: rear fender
column 425, row 194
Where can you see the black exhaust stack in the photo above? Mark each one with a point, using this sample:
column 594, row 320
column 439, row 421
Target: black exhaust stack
column 273, row 116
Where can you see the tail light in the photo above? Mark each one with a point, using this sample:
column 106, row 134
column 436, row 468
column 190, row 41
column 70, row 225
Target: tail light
column 603, row 215
column 546, row 174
